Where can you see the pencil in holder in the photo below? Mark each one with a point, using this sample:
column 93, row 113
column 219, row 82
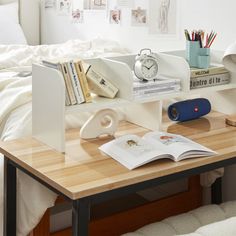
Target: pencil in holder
column 204, row 58
column 197, row 56
column 192, row 52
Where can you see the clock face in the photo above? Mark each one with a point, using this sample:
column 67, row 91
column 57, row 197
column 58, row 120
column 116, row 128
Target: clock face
column 149, row 68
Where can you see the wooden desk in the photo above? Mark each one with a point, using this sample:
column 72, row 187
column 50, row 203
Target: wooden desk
column 86, row 176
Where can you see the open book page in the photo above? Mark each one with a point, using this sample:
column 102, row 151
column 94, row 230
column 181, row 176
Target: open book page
column 133, row 151
column 178, row 146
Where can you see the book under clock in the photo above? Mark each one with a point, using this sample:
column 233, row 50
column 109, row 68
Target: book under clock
column 157, row 86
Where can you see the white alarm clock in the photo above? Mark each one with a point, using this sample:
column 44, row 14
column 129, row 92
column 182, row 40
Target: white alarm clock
column 146, row 65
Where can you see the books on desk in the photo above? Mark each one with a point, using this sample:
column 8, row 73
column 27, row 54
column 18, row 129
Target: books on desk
column 133, row 151
column 212, row 76
column 160, row 85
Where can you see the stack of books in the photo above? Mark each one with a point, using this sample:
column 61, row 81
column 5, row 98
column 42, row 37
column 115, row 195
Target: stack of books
column 212, row 76
column 160, row 85
column 81, row 80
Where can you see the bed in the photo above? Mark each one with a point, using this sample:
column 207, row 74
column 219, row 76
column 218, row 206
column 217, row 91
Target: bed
column 210, row 220
column 15, row 121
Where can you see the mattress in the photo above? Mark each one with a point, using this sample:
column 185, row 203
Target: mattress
column 210, row 220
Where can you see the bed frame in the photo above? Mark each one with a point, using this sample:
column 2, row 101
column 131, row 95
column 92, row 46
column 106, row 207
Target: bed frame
column 118, row 223
column 29, row 16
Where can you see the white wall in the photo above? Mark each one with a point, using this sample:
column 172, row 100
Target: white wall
column 214, row 15
column 206, row 14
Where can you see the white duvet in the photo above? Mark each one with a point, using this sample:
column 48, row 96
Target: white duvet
column 15, row 115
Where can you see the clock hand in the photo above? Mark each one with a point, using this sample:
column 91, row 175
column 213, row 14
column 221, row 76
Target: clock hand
column 150, row 66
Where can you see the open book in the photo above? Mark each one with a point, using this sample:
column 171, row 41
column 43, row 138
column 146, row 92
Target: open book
column 133, row 151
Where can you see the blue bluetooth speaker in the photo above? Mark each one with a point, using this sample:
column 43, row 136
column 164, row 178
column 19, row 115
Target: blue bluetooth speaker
column 189, row 109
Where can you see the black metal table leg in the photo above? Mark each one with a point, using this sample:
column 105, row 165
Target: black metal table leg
column 80, row 217
column 216, row 191
column 9, row 198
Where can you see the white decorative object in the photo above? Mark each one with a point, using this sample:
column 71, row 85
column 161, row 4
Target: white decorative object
column 229, row 59
column 103, row 122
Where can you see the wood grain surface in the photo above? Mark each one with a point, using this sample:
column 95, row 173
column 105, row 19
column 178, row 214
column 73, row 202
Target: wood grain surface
column 85, row 171
column 231, row 120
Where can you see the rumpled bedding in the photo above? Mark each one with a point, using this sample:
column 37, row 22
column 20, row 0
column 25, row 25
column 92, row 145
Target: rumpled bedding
column 16, row 119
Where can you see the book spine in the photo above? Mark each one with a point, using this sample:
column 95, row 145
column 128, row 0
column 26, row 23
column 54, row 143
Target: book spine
column 68, row 83
column 209, row 71
column 157, row 91
column 83, row 81
column 100, row 85
column 50, row 64
column 58, row 66
column 67, row 102
column 137, row 87
column 208, row 81
column 76, row 84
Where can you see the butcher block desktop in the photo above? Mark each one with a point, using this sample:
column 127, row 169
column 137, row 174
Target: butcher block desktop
column 86, row 176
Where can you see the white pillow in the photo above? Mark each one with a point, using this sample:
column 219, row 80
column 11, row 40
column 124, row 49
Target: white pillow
column 11, row 33
column 9, row 12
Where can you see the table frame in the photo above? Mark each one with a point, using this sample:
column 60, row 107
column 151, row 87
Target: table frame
column 81, row 207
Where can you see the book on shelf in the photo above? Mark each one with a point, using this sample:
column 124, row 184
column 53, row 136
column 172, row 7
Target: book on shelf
column 76, row 83
column 157, row 91
column 212, row 70
column 133, row 151
column 77, row 90
column 99, row 84
column 59, row 66
column 160, row 85
column 209, row 80
column 83, row 80
column 68, row 83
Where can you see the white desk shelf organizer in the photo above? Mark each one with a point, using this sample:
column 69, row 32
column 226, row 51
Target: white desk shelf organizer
column 49, row 94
